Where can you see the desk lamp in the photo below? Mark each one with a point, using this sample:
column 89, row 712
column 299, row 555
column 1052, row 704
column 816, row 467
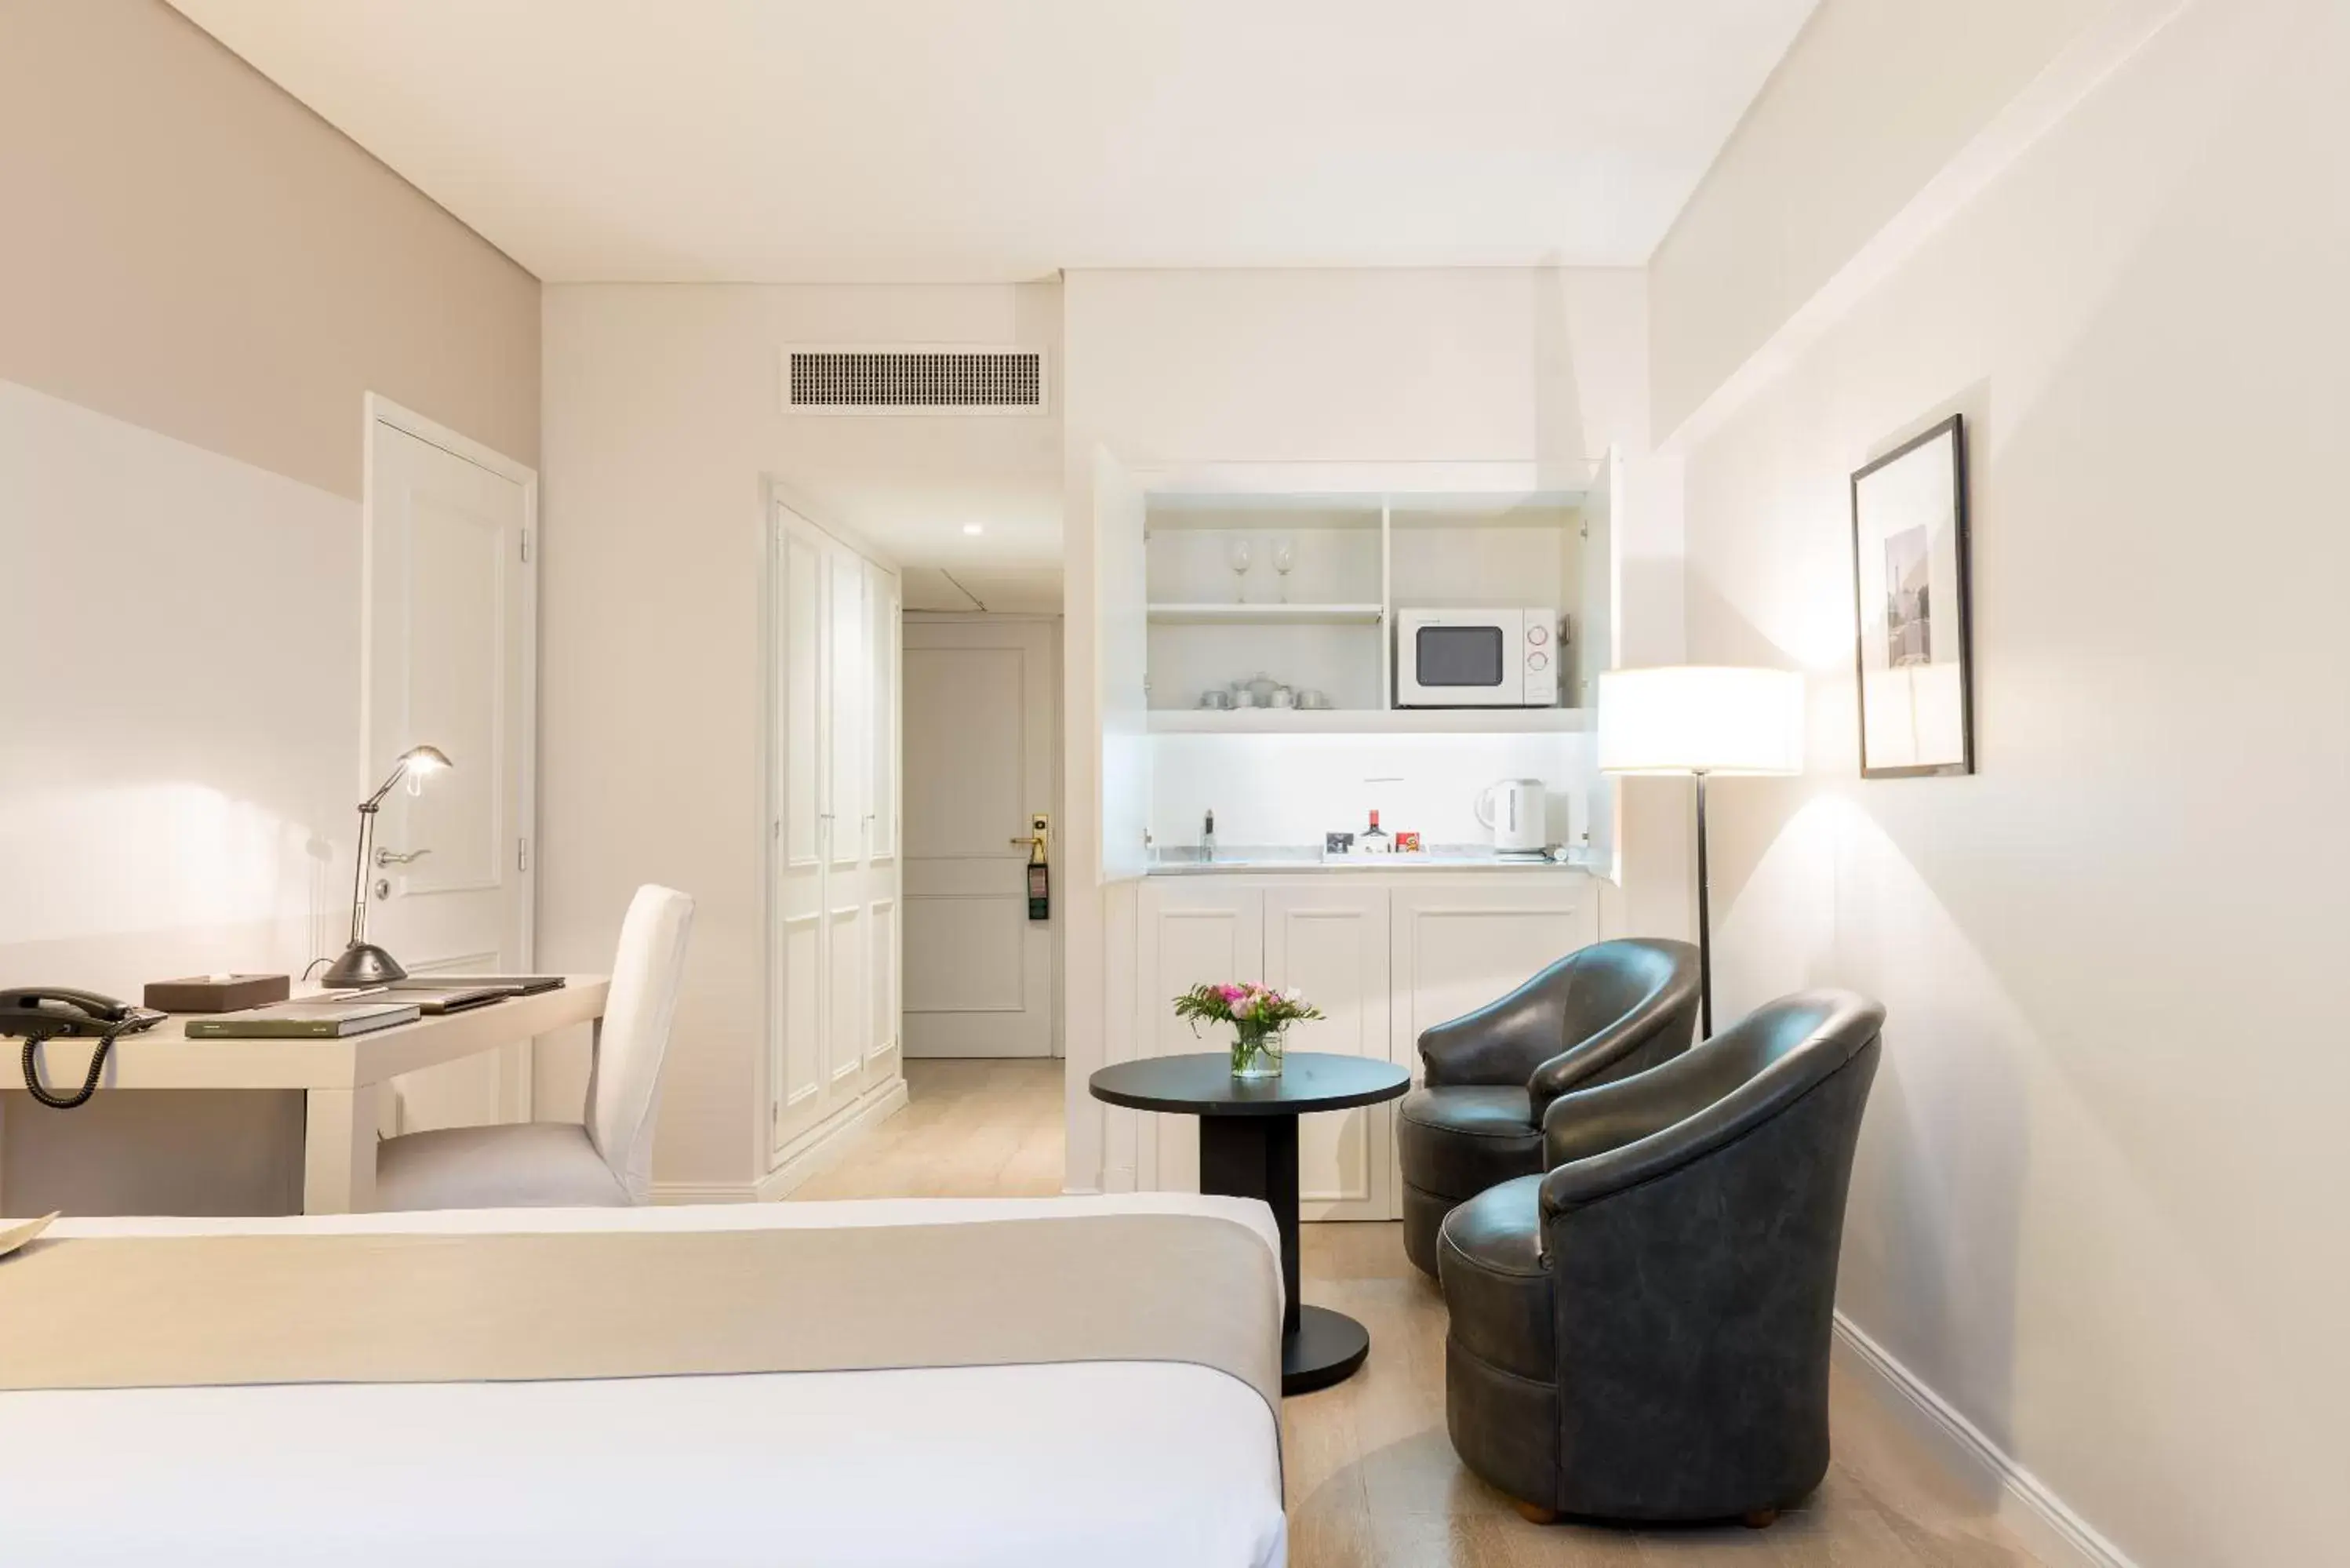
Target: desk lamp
column 363, row 962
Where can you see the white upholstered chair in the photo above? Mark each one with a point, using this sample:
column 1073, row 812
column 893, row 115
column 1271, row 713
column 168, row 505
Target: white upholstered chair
column 608, row 1163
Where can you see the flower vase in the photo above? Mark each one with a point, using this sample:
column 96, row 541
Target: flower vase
column 1256, row 1052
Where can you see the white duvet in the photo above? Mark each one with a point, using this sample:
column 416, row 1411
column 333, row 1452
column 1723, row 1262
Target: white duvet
column 1124, row 1464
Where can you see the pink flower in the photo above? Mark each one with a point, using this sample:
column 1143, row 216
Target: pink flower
column 1233, row 993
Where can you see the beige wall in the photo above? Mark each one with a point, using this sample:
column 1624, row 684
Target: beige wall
column 2099, row 1201
column 191, row 250
column 664, row 418
column 199, row 281
column 1871, row 100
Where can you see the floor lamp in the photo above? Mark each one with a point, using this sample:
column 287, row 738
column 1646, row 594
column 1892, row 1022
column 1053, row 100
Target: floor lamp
column 1701, row 719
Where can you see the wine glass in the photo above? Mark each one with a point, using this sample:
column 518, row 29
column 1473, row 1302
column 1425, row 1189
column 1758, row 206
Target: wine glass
column 1238, row 555
column 1284, row 559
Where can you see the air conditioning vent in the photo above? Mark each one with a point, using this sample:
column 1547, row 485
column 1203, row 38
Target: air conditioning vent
column 914, row 380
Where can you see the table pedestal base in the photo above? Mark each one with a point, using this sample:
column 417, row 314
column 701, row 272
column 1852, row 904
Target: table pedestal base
column 1256, row 1156
column 1326, row 1348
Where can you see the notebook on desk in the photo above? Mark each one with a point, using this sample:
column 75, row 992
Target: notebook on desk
column 302, row 1021
column 435, row 999
column 512, row 984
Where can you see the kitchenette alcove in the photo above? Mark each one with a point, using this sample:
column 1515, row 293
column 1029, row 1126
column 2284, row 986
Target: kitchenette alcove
column 1264, row 623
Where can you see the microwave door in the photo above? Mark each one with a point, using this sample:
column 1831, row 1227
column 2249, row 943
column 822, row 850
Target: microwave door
column 1465, row 664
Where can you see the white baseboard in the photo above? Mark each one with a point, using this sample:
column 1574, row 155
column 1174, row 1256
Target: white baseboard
column 819, row 1150
column 2037, row 1516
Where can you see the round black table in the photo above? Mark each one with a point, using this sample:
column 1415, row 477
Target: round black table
column 1248, row 1148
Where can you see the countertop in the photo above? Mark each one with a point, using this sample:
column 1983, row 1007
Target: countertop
column 1187, row 860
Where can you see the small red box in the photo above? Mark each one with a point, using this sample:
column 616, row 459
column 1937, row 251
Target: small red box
column 1407, row 844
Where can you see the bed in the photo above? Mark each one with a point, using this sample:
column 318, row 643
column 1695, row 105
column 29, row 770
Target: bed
column 1139, row 1463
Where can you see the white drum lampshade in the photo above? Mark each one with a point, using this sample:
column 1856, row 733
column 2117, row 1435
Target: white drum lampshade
column 1701, row 719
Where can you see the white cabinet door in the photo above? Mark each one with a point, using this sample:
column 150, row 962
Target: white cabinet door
column 1457, row 948
column 1196, row 930
column 1329, row 939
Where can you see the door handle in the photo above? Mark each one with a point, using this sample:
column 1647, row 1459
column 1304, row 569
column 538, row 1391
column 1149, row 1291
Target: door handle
column 395, row 857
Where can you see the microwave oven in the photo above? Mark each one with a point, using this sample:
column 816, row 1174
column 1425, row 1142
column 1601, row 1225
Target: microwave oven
column 1478, row 657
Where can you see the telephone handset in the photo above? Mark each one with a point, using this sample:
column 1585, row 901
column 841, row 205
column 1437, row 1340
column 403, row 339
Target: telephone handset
column 40, row 1012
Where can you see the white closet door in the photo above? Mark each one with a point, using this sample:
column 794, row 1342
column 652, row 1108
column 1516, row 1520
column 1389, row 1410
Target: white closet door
column 882, row 832
column 848, row 999
column 1330, row 942
column 798, row 962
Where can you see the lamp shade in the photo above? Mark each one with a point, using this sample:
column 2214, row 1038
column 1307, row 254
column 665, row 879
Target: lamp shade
column 1701, row 719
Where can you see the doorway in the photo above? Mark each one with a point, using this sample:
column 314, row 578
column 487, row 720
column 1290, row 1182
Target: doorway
column 449, row 605
column 982, row 761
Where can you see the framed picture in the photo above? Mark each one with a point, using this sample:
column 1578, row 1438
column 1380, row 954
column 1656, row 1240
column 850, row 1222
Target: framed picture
column 1909, row 578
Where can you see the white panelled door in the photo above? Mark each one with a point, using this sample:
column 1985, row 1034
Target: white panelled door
column 835, row 953
column 449, row 660
column 980, row 763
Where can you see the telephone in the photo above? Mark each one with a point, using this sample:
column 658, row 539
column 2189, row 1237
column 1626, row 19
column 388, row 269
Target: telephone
column 39, row 1013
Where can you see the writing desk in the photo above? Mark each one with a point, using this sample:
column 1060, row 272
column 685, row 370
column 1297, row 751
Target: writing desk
column 339, row 1079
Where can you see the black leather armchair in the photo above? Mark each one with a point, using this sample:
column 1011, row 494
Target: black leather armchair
column 1643, row 1333
column 1603, row 1013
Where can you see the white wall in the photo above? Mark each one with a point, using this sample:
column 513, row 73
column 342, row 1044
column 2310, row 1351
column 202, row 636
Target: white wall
column 1173, row 371
column 1289, row 790
column 663, row 420
column 2098, row 1199
column 1869, row 101
column 180, row 748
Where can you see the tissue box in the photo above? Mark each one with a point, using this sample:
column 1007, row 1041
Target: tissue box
column 217, row 992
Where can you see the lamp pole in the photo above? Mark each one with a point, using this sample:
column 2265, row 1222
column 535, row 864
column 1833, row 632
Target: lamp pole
column 1704, row 923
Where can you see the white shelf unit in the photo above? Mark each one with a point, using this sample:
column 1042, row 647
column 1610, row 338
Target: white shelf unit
column 1368, row 721
column 1327, row 625
column 1266, row 615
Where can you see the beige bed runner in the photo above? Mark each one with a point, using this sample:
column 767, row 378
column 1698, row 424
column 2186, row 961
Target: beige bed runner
column 163, row 1311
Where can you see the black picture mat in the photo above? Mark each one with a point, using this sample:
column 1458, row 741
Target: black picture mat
column 1955, row 428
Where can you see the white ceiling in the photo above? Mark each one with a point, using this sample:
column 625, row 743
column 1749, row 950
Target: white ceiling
column 992, row 140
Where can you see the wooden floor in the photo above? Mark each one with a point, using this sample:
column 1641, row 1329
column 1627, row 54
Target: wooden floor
column 1372, row 1479
column 970, row 1129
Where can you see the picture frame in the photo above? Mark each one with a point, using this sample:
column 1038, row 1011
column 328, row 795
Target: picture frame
column 1911, row 595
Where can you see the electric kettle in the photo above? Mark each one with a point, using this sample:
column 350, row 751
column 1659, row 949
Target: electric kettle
column 1513, row 809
